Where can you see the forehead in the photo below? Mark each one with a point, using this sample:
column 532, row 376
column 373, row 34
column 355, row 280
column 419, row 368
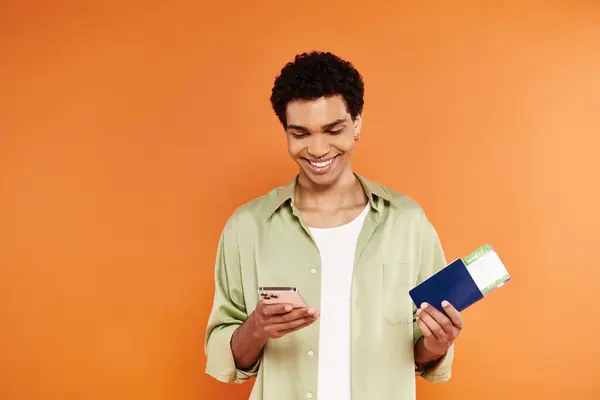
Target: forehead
column 313, row 114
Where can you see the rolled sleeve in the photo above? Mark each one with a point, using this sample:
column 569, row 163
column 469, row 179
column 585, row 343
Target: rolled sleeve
column 220, row 363
column 439, row 372
column 228, row 312
column 432, row 261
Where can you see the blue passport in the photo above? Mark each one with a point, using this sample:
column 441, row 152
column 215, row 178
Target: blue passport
column 463, row 282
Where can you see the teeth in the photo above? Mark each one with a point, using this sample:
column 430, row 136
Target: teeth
column 322, row 164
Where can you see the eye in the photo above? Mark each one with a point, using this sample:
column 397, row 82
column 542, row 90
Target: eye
column 336, row 131
column 298, row 135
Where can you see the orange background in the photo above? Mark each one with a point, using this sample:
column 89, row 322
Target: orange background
column 129, row 132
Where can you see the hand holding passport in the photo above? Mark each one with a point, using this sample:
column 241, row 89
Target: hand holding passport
column 441, row 298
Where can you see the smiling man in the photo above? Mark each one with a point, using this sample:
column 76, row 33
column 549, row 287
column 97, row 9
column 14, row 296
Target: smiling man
column 352, row 247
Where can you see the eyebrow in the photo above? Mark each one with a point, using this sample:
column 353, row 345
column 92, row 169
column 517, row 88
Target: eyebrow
column 324, row 127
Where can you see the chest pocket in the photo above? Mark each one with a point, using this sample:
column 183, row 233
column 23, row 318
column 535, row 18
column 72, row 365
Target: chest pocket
column 397, row 281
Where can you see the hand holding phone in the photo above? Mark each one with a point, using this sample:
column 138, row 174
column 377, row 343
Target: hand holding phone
column 275, row 317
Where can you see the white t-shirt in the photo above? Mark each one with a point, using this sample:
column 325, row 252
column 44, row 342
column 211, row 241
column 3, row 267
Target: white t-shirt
column 337, row 247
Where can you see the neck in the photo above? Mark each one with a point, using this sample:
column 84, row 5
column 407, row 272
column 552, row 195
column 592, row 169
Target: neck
column 346, row 191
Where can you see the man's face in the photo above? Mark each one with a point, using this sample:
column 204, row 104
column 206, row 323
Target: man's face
column 320, row 137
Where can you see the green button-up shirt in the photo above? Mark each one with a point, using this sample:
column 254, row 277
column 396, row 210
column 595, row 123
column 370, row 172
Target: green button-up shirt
column 266, row 243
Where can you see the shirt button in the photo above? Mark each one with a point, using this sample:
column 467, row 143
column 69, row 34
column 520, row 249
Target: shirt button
column 313, row 271
column 310, row 353
column 309, row 395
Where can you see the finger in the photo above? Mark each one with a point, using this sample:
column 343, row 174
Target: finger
column 424, row 329
column 453, row 314
column 292, row 315
column 432, row 324
column 439, row 317
column 297, row 325
column 275, row 309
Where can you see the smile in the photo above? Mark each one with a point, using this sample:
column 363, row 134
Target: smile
column 321, row 166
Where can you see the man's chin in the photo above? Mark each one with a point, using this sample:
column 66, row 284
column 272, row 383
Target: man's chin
column 318, row 179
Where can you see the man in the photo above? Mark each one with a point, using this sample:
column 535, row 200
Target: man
column 352, row 247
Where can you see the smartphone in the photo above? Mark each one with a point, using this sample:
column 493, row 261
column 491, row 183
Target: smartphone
column 281, row 295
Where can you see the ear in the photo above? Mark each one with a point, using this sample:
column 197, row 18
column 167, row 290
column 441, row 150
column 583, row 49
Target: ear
column 358, row 124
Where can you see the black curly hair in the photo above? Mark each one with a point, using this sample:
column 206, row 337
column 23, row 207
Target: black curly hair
column 314, row 75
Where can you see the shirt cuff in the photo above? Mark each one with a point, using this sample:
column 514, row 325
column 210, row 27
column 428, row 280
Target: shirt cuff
column 220, row 362
column 439, row 372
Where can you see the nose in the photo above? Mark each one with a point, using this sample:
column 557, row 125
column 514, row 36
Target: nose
column 318, row 147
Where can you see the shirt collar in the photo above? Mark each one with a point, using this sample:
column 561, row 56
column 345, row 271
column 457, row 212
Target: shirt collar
column 373, row 191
